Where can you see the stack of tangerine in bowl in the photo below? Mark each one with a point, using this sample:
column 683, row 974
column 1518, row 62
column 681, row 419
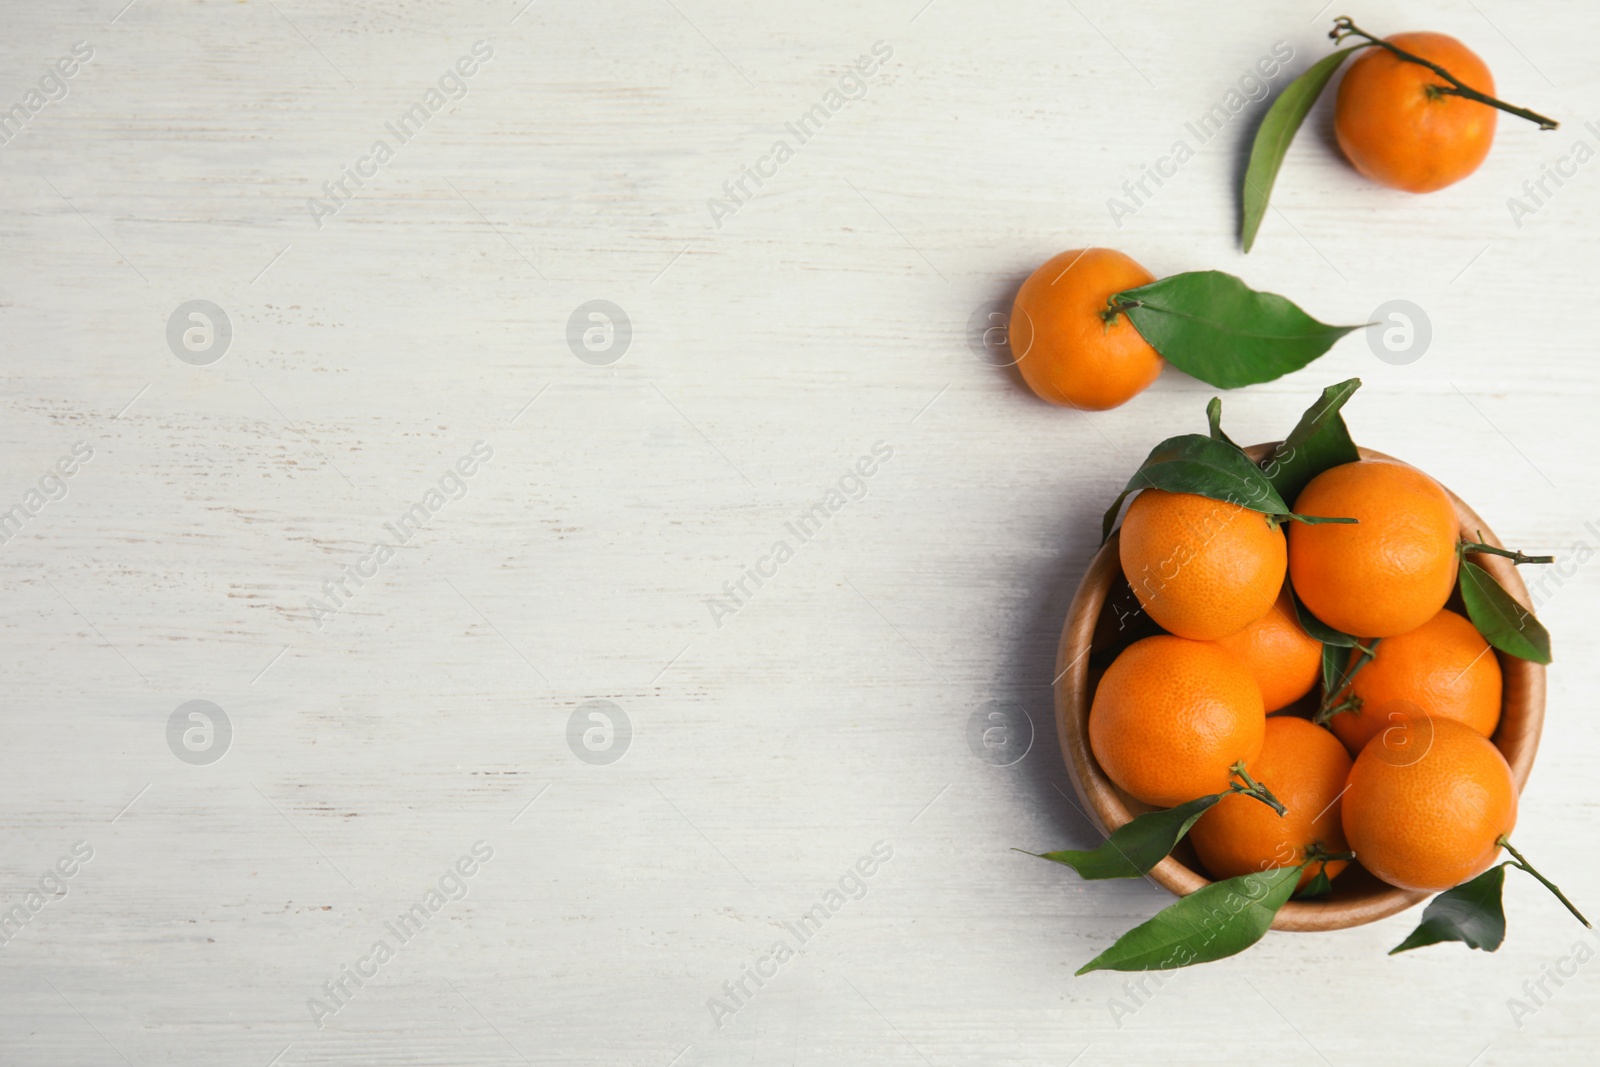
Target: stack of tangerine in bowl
column 1184, row 655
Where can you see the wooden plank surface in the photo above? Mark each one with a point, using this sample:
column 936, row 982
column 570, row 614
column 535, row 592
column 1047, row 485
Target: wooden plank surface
column 773, row 741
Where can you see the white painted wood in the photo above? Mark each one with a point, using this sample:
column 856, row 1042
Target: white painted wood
column 767, row 355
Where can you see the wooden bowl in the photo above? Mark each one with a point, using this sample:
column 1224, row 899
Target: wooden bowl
column 1090, row 640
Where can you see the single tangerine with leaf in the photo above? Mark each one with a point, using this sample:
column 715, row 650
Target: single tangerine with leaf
column 1285, row 660
column 1428, row 803
column 1202, row 568
column 1305, row 767
column 1069, row 347
column 1398, row 123
column 1393, row 568
column 1172, row 716
column 1443, row 668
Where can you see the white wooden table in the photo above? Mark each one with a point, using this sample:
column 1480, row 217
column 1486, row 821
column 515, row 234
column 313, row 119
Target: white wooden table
column 376, row 339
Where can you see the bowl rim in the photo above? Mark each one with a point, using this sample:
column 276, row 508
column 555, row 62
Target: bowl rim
column 1517, row 736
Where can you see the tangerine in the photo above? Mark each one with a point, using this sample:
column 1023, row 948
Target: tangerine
column 1172, row 716
column 1396, row 126
column 1285, row 660
column 1393, row 569
column 1428, row 803
column 1069, row 349
column 1305, row 767
column 1202, row 568
column 1443, row 668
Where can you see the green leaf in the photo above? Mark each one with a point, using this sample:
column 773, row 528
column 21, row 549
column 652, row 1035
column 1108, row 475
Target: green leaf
column 1503, row 622
column 1212, row 923
column 1272, row 139
column 1214, row 327
column 1135, row 847
column 1337, row 668
column 1206, row 467
column 1319, row 888
column 1470, row 913
column 1318, row 441
column 1214, row 417
column 1320, row 631
column 1319, row 520
column 1333, row 659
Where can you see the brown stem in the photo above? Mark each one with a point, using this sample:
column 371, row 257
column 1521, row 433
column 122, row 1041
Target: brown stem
column 1343, row 27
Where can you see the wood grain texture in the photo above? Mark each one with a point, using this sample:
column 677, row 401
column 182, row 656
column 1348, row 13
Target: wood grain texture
column 836, row 707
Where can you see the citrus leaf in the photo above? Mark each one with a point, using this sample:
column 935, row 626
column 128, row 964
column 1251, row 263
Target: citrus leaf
column 1277, row 130
column 1214, row 417
column 1318, row 441
column 1205, row 466
column 1337, row 668
column 1320, row 631
column 1212, row 923
column 1503, row 622
column 1319, row 888
column 1136, row 846
column 1333, row 658
column 1470, row 913
column 1214, row 327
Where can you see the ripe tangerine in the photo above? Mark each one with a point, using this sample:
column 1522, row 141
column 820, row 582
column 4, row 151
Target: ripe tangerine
column 1428, row 801
column 1393, row 569
column 1443, row 668
column 1069, row 350
column 1305, row 767
column 1171, row 717
column 1202, row 568
column 1285, row 660
column 1397, row 128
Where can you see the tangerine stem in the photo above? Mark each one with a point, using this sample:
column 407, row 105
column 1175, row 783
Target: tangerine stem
column 1329, row 709
column 1349, row 703
column 1115, row 306
column 1519, row 861
column 1252, row 788
column 1517, row 558
column 1343, row 27
column 1315, row 853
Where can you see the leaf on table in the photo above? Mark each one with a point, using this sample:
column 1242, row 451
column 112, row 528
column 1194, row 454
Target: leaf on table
column 1318, row 441
column 1205, row 466
column 1214, row 327
column 1503, row 622
column 1220, row 920
column 1272, row 141
column 1136, row 846
column 1471, row 913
